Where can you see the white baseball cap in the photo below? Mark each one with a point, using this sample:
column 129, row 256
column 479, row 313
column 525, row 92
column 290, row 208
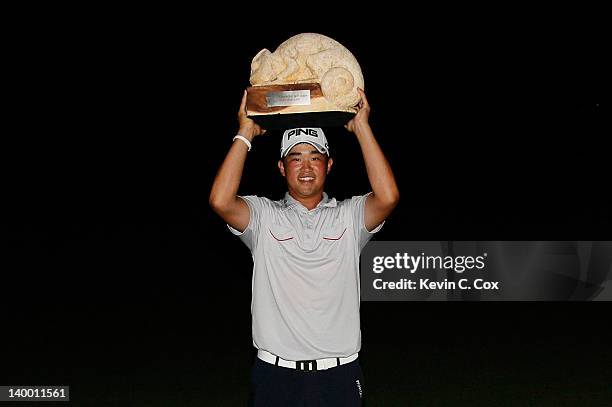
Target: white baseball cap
column 311, row 135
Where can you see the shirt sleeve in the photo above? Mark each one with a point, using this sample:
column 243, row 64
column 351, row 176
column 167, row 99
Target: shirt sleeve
column 362, row 234
column 249, row 235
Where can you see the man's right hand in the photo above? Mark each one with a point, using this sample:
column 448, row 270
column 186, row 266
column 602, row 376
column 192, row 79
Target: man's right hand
column 223, row 199
column 246, row 126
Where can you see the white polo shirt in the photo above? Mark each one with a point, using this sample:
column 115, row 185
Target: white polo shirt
column 305, row 287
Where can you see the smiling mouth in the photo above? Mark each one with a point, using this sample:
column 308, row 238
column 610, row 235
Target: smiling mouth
column 306, row 179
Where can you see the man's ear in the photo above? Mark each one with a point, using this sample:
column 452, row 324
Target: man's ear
column 330, row 162
column 281, row 167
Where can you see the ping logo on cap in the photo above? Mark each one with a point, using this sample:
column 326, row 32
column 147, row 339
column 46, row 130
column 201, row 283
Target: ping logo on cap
column 311, row 135
column 298, row 132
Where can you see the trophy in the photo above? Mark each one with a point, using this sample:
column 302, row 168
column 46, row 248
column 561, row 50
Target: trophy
column 310, row 80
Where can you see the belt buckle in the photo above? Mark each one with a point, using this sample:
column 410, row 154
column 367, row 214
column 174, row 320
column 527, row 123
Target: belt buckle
column 302, row 364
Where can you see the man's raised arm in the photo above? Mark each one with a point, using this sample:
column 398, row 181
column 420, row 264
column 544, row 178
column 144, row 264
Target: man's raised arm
column 385, row 195
column 223, row 199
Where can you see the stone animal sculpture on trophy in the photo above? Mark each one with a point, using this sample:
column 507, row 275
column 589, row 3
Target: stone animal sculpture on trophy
column 312, row 63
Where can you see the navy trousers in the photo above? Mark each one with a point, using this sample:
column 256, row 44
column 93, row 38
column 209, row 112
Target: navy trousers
column 276, row 386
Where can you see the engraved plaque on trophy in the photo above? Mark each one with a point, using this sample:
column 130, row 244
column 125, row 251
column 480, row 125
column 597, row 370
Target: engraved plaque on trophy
column 310, row 80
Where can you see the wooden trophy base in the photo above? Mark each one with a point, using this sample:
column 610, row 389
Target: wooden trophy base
column 297, row 105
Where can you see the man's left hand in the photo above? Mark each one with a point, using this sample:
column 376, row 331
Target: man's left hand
column 360, row 121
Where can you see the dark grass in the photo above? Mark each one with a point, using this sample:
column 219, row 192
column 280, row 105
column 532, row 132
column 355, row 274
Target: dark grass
column 413, row 354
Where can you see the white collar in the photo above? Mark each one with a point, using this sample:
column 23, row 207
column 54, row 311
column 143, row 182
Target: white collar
column 290, row 202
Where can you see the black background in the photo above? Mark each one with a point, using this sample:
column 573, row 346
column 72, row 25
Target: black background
column 119, row 280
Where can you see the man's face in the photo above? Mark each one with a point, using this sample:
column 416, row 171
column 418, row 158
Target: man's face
column 305, row 169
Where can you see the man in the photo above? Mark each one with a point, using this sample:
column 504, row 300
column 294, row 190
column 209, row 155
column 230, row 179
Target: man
column 305, row 247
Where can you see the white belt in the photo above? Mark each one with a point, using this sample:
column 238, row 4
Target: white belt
column 317, row 364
